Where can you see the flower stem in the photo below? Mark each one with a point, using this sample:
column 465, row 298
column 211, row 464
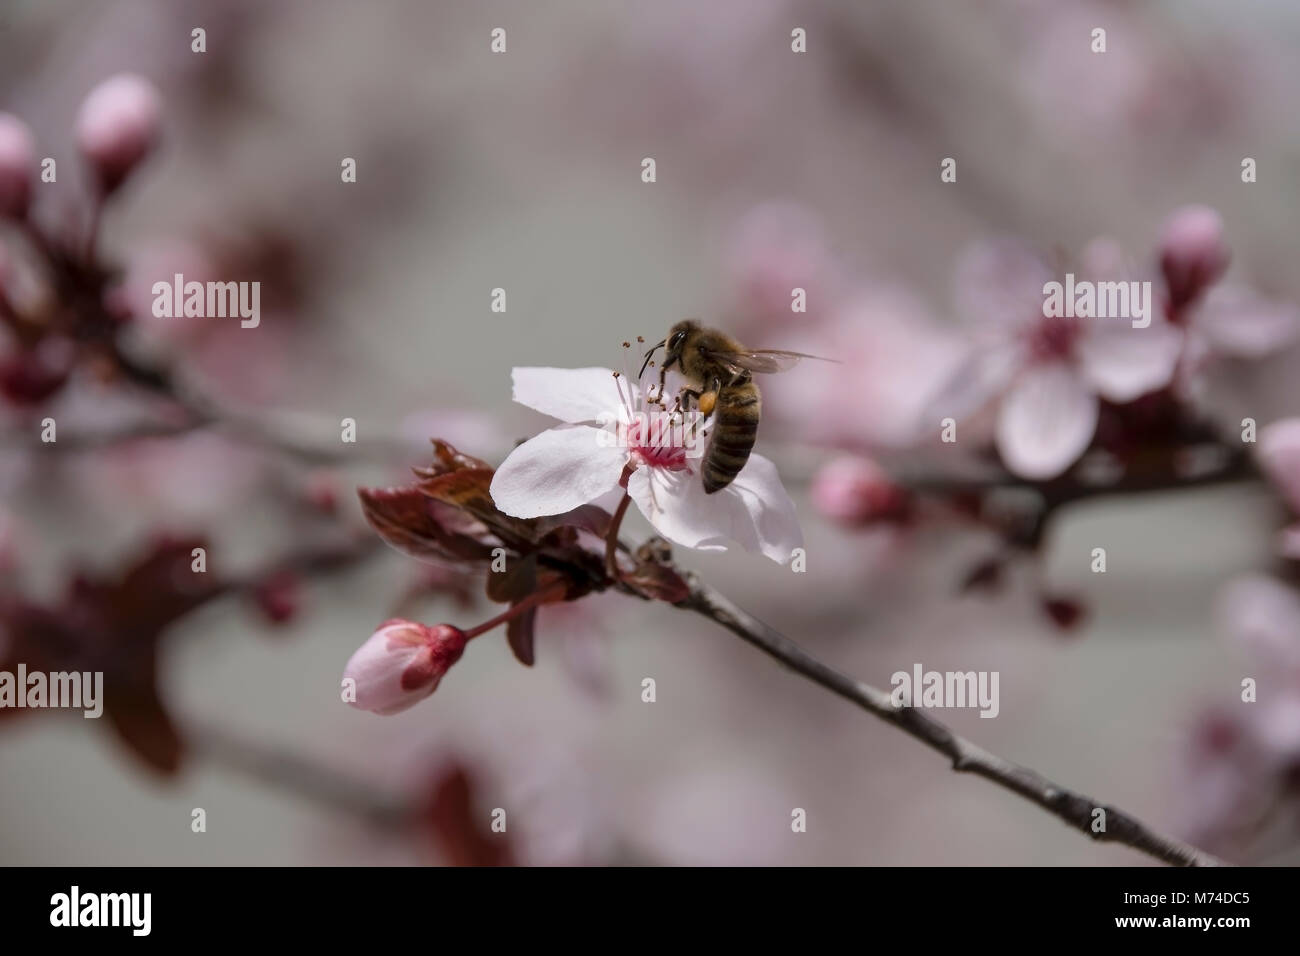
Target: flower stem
column 611, row 539
column 546, row 594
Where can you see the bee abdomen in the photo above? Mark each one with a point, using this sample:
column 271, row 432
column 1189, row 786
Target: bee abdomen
column 734, row 432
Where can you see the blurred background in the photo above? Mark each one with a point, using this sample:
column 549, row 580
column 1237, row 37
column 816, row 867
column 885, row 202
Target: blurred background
column 522, row 171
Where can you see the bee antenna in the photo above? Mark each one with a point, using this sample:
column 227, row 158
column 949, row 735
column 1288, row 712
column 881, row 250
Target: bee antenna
column 647, row 356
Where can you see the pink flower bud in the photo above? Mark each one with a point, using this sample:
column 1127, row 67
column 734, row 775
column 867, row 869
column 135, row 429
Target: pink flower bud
column 117, row 125
column 30, row 376
column 857, row 491
column 278, row 596
column 17, row 163
column 1193, row 253
column 322, row 491
column 402, row 663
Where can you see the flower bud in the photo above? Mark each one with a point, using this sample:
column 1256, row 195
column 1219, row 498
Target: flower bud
column 30, row 376
column 17, row 163
column 278, row 596
column 402, row 663
column 117, row 126
column 858, row 491
column 1193, row 253
column 322, row 492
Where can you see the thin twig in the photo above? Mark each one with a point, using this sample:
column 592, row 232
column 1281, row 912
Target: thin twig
column 289, row 771
column 1075, row 809
column 276, row 430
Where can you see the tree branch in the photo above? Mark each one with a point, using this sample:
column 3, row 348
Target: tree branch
column 1074, row 808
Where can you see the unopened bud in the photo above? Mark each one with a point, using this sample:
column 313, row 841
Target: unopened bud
column 117, row 126
column 858, row 491
column 1193, row 253
column 17, row 166
column 402, row 663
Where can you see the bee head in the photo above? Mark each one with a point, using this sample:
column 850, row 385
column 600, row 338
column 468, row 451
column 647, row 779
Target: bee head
column 672, row 344
column 675, row 343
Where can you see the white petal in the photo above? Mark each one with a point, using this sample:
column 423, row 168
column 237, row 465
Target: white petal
column 675, row 503
column 760, row 492
column 1123, row 363
column 557, row 471
column 1261, row 615
column 571, row 394
column 754, row 511
column 975, row 381
column 1000, row 282
column 1046, row 421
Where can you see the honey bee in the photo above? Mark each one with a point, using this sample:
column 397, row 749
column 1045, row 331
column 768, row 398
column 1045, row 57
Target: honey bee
column 719, row 372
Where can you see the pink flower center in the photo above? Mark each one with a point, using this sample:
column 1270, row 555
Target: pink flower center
column 656, row 443
column 1054, row 337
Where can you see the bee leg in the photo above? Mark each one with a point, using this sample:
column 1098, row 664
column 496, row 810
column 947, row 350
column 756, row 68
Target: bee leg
column 689, row 393
column 663, row 372
column 675, row 413
column 704, row 401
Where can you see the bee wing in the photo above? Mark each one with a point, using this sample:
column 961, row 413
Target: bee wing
column 765, row 361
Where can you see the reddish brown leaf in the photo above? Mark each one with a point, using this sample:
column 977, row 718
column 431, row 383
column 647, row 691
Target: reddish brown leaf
column 459, row 829
column 452, row 459
column 138, row 716
column 409, row 521
column 658, row 582
column 467, row 490
column 520, row 636
column 113, row 626
column 515, row 583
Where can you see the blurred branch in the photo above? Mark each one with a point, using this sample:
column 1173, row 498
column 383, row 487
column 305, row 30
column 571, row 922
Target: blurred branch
column 278, row 431
column 1074, row 808
column 89, row 441
column 286, row 770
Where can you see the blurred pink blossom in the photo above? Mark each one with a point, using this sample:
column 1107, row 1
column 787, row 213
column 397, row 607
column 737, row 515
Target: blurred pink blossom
column 1278, row 450
column 893, row 357
column 1235, row 322
column 776, row 248
column 856, row 490
column 1243, row 756
column 1048, row 374
column 160, row 261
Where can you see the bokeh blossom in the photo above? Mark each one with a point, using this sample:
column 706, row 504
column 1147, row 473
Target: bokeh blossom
column 1048, row 374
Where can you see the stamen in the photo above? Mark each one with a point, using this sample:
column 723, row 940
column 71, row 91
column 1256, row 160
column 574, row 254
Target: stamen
column 632, row 390
column 622, row 399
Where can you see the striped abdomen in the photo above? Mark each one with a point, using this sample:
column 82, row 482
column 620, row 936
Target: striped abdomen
column 735, row 427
